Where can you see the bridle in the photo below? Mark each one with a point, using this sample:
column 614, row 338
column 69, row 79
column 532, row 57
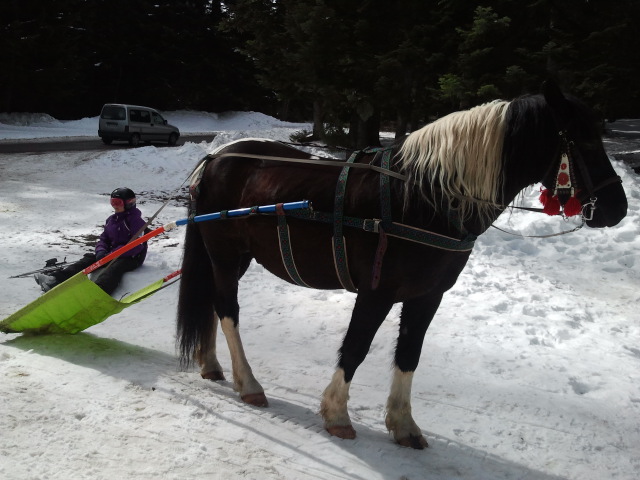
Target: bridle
column 574, row 158
column 570, row 157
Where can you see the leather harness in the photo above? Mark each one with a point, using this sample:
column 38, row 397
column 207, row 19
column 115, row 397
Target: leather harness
column 384, row 226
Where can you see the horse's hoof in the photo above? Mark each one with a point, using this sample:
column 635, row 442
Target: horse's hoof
column 215, row 375
column 346, row 432
column 255, row 399
column 417, row 442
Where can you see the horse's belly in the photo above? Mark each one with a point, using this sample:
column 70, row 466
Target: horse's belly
column 405, row 268
column 309, row 257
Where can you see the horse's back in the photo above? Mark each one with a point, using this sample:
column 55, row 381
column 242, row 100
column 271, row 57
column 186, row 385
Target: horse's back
column 240, row 176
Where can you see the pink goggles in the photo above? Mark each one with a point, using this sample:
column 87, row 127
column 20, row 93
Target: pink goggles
column 119, row 203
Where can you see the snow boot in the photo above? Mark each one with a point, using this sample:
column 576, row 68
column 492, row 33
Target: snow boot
column 46, row 282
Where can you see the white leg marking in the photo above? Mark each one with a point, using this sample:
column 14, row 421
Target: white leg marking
column 208, row 361
column 334, row 407
column 399, row 419
column 245, row 382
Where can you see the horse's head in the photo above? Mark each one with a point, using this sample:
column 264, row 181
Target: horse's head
column 589, row 171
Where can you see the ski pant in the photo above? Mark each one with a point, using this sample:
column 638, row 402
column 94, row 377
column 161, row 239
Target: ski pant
column 107, row 277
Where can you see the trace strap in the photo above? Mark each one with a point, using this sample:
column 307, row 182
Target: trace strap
column 304, row 204
column 285, row 247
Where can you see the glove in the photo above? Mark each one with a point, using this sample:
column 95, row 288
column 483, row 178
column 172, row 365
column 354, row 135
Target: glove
column 100, row 255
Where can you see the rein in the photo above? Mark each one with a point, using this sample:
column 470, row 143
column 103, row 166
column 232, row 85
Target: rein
column 316, row 161
column 342, row 164
column 564, row 232
column 566, row 154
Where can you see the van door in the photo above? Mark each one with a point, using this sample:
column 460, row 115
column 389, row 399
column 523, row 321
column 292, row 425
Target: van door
column 139, row 124
column 160, row 130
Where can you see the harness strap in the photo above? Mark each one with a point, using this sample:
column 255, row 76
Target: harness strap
column 285, row 247
column 385, row 189
column 575, row 159
column 385, row 210
column 314, row 161
column 339, row 248
column 376, row 273
column 398, row 230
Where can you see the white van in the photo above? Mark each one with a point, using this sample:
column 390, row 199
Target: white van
column 134, row 124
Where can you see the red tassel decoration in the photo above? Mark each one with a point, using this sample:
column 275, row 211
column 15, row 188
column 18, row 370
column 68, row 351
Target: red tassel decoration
column 544, row 196
column 553, row 206
column 550, row 202
column 572, row 207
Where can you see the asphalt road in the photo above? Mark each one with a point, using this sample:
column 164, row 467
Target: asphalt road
column 85, row 144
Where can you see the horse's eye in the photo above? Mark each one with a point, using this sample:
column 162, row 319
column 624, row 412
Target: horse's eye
column 587, row 146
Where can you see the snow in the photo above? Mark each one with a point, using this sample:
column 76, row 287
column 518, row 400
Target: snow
column 530, row 369
column 16, row 126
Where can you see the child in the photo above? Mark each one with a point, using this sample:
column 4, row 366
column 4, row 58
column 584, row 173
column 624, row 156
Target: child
column 118, row 230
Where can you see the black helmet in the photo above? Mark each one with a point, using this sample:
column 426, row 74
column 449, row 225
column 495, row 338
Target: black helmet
column 123, row 197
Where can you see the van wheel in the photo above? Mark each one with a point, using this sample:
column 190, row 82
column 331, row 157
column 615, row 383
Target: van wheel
column 107, row 140
column 134, row 140
column 173, row 138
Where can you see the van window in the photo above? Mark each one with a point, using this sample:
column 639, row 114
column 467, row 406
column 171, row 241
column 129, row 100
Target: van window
column 157, row 118
column 112, row 112
column 141, row 116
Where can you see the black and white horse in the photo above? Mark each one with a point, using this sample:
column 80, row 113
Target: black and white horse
column 444, row 185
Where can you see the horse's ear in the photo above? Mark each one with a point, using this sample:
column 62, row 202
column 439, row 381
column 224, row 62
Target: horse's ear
column 556, row 99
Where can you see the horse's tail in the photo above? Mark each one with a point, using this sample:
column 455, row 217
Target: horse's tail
column 195, row 308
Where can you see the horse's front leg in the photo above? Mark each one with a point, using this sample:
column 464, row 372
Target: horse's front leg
column 370, row 310
column 210, row 368
column 245, row 383
column 414, row 321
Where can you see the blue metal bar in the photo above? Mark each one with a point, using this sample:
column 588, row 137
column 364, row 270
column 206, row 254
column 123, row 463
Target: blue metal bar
column 243, row 212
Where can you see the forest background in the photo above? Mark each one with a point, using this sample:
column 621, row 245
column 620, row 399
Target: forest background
column 353, row 67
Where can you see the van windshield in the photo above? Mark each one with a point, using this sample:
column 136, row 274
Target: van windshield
column 112, row 112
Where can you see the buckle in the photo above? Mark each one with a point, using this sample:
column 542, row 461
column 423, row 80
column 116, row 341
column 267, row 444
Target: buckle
column 371, row 225
column 588, row 209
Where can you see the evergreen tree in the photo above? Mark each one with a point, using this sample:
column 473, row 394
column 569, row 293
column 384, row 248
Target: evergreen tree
column 39, row 52
column 348, row 64
column 594, row 50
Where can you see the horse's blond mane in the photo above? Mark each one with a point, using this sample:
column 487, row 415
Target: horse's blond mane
column 459, row 155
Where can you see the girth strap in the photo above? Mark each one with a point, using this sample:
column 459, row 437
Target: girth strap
column 285, row 247
column 385, row 210
column 339, row 247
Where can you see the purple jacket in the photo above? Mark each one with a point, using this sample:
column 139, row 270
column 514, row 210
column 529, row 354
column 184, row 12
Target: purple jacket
column 118, row 230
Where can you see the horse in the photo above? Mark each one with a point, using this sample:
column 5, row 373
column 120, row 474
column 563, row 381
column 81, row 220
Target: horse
column 394, row 225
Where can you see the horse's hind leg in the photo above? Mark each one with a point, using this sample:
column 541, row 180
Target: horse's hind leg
column 414, row 321
column 210, row 368
column 226, row 302
column 248, row 387
column 370, row 310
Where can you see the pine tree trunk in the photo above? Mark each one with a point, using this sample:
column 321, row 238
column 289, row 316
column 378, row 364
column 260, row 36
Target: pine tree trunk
column 365, row 132
column 318, row 121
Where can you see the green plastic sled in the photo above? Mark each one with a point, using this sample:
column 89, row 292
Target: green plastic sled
column 71, row 307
